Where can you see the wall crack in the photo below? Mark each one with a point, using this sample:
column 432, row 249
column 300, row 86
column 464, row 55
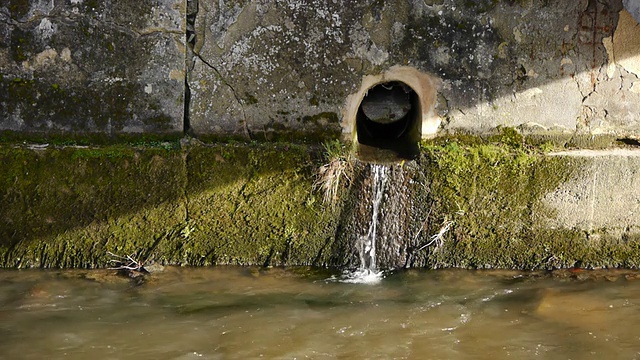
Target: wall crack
column 192, row 38
column 247, row 131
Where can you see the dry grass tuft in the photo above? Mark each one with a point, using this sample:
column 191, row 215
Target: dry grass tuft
column 336, row 174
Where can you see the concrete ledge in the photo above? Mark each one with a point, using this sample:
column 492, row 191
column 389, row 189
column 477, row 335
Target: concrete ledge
column 604, row 193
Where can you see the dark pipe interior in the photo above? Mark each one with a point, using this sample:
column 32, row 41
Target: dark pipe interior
column 388, row 122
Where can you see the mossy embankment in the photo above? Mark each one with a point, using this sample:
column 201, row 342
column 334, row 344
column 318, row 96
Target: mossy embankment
column 494, row 194
column 202, row 205
column 255, row 204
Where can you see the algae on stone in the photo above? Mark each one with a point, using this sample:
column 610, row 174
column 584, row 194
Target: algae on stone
column 254, row 204
column 66, row 207
column 494, row 194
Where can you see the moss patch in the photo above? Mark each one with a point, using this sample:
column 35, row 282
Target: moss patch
column 250, row 204
column 64, row 207
column 492, row 194
column 255, row 205
column 168, row 140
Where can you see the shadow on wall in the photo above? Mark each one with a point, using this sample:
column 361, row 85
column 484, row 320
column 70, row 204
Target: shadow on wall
column 206, row 205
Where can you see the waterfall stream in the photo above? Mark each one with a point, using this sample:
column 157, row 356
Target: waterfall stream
column 380, row 220
column 368, row 271
column 367, row 243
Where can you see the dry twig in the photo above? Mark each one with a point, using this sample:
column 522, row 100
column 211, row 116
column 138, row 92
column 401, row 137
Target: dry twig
column 125, row 262
column 438, row 239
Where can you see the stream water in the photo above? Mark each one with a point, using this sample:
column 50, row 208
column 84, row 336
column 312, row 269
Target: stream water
column 297, row 313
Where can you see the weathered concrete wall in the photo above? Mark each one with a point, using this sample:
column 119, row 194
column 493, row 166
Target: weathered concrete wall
column 298, row 69
column 546, row 67
column 289, row 69
column 88, row 66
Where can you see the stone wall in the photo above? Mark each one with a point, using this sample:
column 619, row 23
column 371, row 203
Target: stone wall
column 84, row 66
column 544, row 67
column 263, row 69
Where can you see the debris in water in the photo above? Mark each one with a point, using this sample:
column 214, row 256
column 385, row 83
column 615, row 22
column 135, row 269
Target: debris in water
column 126, row 263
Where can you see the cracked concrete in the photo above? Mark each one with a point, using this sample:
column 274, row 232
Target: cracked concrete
column 253, row 70
column 543, row 68
column 247, row 132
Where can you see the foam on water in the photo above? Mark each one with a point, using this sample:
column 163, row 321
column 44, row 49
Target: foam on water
column 360, row 276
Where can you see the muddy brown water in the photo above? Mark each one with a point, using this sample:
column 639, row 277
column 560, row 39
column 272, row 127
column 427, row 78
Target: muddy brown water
column 300, row 313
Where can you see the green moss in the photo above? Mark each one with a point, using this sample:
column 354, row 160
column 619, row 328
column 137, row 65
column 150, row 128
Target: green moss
column 67, row 207
column 330, row 117
column 22, row 89
column 204, row 205
column 572, row 141
column 19, row 8
column 509, row 137
column 250, row 99
column 92, row 4
column 23, row 44
column 166, row 140
column 314, row 135
column 588, row 141
column 478, row 7
column 102, row 153
column 255, row 204
column 493, row 194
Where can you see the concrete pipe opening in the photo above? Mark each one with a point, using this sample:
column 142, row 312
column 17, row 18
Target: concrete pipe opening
column 389, row 118
column 390, row 113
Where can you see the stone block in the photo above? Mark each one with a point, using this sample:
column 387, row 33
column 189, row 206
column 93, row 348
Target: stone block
column 604, row 193
column 85, row 66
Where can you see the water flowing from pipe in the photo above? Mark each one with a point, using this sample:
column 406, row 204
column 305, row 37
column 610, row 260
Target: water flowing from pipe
column 367, row 243
column 368, row 271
